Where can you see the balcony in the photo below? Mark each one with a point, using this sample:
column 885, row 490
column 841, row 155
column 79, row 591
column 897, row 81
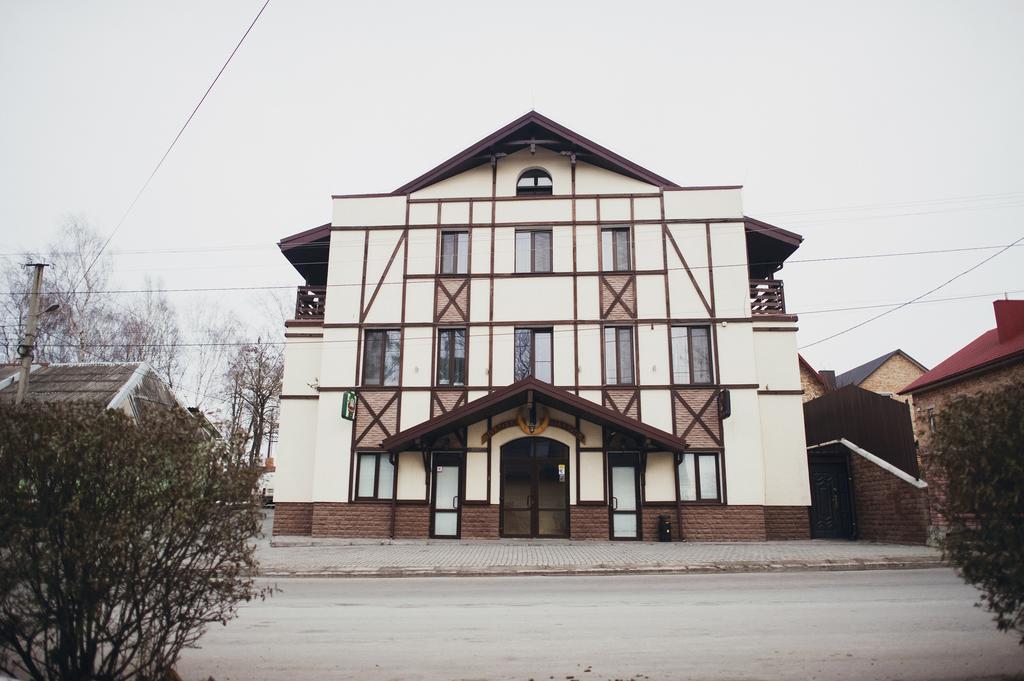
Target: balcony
column 766, row 297
column 309, row 302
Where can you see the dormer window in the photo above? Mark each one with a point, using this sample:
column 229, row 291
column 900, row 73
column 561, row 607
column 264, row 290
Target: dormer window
column 534, row 182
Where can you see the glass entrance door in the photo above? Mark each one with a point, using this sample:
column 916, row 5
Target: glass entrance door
column 445, row 502
column 623, row 504
column 534, row 488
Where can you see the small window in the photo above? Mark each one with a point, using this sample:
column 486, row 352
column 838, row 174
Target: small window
column 691, row 354
column 533, row 251
column 375, row 477
column 451, row 357
column 534, row 182
column 615, row 249
column 618, row 355
column 454, row 252
column 699, row 477
column 382, row 357
column 533, row 354
column 931, row 419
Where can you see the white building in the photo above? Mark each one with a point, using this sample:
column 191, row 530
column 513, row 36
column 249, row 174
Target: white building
column 544, row 339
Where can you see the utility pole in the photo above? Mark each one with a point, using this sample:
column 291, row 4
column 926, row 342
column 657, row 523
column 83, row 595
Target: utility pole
column 27, row 349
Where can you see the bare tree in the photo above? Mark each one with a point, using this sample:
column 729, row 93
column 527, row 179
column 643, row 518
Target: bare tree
column 90, row 323
column 253, row 381
column 216, row 333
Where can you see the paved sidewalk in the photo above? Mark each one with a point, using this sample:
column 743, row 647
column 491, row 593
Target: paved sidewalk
column 302, row 556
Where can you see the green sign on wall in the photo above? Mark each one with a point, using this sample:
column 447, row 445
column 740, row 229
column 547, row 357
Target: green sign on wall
column 348, row 405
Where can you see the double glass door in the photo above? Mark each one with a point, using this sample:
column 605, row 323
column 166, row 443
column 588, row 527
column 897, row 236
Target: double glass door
column 534, row 488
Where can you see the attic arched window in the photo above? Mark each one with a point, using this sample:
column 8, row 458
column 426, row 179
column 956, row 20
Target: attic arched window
column 534, row 182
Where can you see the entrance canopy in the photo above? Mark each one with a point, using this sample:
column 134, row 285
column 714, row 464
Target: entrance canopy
column 519, row 394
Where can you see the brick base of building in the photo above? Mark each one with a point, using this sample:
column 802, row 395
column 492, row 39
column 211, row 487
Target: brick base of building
column 787, row 522
column 480, row 521
column 412, row 521
column 588, row 522
column 888, row 508
column 293, row 518
column 724, row 523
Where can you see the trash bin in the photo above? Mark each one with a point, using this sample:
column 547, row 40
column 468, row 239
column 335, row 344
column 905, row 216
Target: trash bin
column 664, row 528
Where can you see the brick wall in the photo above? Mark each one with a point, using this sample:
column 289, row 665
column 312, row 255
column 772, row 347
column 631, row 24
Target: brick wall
column 351, row 521
column 293, row 518
column 937, row 400
column 480, row 522
column 810, row 385
column 787, row 522
column 888, row 509
column 588, row 522
column 723, row 523
column 412, row 521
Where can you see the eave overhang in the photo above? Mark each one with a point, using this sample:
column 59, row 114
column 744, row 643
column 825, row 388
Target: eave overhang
column 768, row 247
column 307, row 251
column 519, row 394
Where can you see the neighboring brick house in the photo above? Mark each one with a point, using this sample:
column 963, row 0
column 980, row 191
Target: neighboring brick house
column 884, row 375
column 992, row 360
column 815, row 383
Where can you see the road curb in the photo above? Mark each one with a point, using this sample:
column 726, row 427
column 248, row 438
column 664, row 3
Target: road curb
column 607, row 570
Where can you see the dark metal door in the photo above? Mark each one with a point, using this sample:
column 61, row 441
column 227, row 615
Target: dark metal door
column 534, row 488
column 831, row 504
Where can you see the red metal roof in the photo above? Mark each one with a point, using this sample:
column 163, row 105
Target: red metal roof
column 996, row 346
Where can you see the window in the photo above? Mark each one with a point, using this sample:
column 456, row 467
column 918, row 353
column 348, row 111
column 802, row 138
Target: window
column 931, row 419
column 382, row 357
column 375, row 477
column 454, row 252
column 533, row 354
column 691, row 354
column 618, row 355
column 699, row 478
column 534, row 182
column 533, row 251
column 451, row 357
column 615, row 249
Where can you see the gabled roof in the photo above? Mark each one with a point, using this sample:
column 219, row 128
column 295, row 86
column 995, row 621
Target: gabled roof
column 812, row 371
column 533, row 129
column 995, row 347
column 516, row 395
column 858, row 375
column 105, row 383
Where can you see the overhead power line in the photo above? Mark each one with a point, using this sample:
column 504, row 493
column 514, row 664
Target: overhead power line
column 163, row 158
column 271, row 287
column 497, row 334
column 914, row 300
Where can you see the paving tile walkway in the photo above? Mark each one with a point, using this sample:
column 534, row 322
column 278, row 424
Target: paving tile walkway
column 302, row 556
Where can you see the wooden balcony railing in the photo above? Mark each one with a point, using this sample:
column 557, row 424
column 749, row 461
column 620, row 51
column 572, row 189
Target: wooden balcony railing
column 310, row 301
column 766, row 297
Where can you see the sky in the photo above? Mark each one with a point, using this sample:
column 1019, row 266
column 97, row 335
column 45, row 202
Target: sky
column 867, row 127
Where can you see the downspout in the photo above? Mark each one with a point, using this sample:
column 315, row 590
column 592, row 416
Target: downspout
column 394, row 458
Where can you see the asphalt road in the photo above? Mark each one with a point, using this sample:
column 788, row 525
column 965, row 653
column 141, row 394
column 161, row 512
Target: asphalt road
column 912, row 624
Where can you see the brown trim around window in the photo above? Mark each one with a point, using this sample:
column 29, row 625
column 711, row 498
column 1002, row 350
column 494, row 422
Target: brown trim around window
column 618, row 355
column 376, row 476
column 454, row 257
column 719, row 497
column 533, row 269
column 689, row 354
column 533, row 351
column 446, row 335
column 380, row 379
column 618, row 233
